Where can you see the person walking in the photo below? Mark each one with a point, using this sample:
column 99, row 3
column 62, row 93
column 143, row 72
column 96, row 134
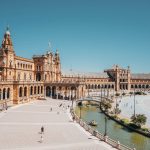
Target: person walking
column 41, row 140
column 51, row 109
column 42, row 130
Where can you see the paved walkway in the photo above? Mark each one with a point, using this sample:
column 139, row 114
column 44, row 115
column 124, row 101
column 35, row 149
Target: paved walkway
column 20, row 128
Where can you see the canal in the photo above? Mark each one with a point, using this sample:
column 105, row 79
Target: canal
column 114, row 130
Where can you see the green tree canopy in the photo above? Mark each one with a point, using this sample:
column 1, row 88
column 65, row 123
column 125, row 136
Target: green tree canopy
column 139, row 119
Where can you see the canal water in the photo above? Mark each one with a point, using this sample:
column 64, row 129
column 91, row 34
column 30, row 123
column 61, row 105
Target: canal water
column 114, row 130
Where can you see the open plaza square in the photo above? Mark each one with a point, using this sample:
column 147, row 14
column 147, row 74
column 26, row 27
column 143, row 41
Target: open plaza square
column 20, row 128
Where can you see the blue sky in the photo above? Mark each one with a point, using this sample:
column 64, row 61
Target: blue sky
column 91, row 35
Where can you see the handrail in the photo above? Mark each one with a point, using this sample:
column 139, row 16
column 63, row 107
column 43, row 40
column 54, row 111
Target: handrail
column 100, row 136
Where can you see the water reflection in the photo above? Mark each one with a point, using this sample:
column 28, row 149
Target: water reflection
column 115, row 131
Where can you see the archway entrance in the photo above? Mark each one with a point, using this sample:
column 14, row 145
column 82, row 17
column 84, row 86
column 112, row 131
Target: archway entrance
column 38, row 77
column 54, row 91
column 48, row 91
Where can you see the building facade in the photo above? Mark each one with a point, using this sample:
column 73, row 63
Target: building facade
column 23, row 80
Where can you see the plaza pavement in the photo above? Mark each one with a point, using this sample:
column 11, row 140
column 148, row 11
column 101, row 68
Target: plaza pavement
column 20, row 128
column 142, row 106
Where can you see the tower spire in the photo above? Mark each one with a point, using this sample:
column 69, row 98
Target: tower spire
column 7, row 30
column 49, row 46
column 7, row 42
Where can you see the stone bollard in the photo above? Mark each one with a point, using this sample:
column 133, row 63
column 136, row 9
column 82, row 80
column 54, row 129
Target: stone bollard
column 134, row 148
column 105, row 138
column 118, row 145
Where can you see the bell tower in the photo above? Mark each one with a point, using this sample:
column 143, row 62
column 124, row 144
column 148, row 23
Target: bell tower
column 7, row 56
column 58, row 66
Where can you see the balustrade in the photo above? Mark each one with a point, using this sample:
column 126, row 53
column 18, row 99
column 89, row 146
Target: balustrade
column 100, row 136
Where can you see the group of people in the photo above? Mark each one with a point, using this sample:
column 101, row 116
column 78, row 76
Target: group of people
column 51, row 109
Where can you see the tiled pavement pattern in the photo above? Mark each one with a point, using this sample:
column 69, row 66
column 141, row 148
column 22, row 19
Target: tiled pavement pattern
column 20, row 128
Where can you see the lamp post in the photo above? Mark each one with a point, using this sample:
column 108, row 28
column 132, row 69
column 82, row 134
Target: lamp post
column 101, row 97
column 72, row 102
column 80, row 111
column 134, row 101
column 107, row 92
column 88, row 91
column 105, row 133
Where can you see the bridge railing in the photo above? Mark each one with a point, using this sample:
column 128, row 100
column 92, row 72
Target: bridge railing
column 100, row 136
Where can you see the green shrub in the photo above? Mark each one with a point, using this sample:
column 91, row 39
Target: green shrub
column 123, row 94
column 125, row 121
column 145, row 129
column 134, row 126
column 117, row 94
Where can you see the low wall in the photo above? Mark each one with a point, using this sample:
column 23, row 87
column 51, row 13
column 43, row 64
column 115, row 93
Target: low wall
column 100, row 136
column 127, row 126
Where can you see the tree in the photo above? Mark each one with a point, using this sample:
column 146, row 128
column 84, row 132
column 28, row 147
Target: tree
column 117, row 111
column 106, row 105
column 139, row 119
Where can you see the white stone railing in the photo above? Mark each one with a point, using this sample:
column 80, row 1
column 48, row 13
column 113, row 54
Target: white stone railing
column 100, row 136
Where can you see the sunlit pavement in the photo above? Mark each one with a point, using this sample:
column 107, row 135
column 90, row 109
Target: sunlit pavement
column 20, row 128
column 142, row 106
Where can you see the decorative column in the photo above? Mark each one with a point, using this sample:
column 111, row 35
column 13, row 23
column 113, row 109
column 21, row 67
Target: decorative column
column 51, row 92
column 56, row 92
column 6, row 94
column 70, row 93
column 6, row 99
column 1, row 94
column 44, row 91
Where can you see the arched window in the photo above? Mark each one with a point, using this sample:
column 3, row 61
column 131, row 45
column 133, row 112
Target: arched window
column 38, row 89
column 54, row 91
column 20, row 92
column 48, row 91
column 41, row 89
column 24, row 76
column 38, row 77
column 35, row 90
column 86, row 86
column 25, row 91
column 4, row 91
column 131, row 86
column 8, row 93
column 0, row 94
column 31, row 90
